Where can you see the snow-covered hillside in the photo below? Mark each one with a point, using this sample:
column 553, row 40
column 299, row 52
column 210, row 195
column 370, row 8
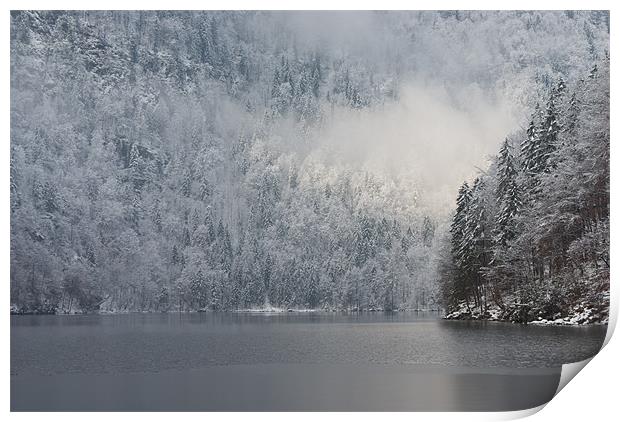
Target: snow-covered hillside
column 228, row 160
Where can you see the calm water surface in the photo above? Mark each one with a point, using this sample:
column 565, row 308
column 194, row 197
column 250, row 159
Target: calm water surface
column 290, row 361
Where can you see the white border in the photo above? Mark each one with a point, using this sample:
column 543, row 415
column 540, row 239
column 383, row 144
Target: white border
column 591, row 396
column 311, row 5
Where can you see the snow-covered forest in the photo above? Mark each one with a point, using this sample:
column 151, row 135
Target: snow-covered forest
column 236, row 160
column 530, row 236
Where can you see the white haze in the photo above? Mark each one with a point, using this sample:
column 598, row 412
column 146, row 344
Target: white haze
column 462, row 87
column 431, row 136
column 224, row 160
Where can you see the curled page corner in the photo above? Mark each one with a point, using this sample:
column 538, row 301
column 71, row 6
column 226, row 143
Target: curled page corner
column 613, row 318
column 519, row 414
column 569, row 370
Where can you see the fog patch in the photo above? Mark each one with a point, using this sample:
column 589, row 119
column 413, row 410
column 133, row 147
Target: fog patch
column 432, row 135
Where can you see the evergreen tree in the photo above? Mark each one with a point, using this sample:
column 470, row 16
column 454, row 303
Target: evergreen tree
column 459, row 223
column 531, row 145
column 428, row 231
column 508, row 196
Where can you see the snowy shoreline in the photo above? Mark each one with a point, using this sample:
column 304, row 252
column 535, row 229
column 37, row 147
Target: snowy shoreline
column 587, row 316
column 581, row 316
column 271, row 310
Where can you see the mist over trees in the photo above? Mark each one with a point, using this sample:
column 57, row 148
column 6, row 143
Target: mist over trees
column 530, row 238
column 171, row 160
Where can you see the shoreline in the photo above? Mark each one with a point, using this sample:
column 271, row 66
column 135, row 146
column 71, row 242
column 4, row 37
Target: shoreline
column 585, row 318
column 233, row 311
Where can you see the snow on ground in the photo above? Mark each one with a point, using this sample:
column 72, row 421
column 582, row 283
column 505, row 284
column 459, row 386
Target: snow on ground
column 579, row 314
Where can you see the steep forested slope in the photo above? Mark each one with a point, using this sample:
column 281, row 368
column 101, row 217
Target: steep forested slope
column 530, row 237
column 169, row 160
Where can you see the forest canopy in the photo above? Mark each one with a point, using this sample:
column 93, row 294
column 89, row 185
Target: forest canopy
column 233, row 160
column 530, row 237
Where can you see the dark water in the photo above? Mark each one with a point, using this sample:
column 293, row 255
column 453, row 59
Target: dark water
column 403, row 361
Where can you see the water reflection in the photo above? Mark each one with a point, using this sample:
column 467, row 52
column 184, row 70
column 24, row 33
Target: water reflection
column 333, row 361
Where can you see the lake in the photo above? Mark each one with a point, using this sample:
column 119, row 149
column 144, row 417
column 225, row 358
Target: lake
column 287, row 361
